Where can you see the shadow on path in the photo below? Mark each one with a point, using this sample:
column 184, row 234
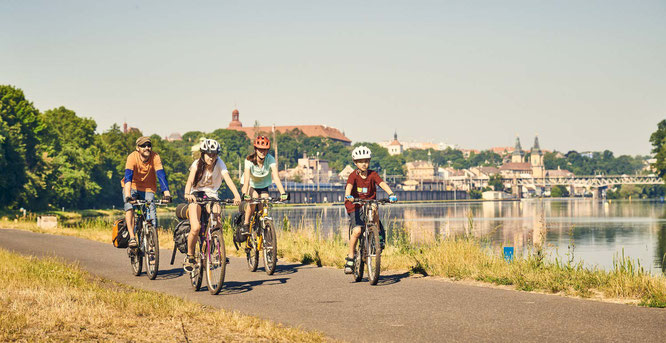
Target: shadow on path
column 169, row 274
column 234, row 287
column 392, row 279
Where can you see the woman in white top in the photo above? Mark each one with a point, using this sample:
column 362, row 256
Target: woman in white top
column 205, row 178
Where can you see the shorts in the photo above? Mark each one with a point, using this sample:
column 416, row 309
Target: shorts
column 259, row 191
column 356, row 219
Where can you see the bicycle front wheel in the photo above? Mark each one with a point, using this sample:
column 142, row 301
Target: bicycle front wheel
column 252, row 253
column 152, row 252
column 196, row 276
column 135, row 255
column 359, row 258
column 374, row 254
column 216, row 264
column 270, row 248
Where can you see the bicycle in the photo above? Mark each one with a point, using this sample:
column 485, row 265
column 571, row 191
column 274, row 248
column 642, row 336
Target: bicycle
column 262, row 236
column 147, row 240
column 209, row 251
column 368, row 247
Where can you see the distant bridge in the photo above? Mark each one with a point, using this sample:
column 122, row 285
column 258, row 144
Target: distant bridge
column 594, row 181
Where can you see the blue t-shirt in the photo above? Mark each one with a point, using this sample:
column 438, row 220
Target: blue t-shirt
column 260, row 177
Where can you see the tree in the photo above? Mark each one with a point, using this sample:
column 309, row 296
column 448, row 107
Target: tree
column 496, row 183
column 20, row 157
column 658, row 141
column 559, row 191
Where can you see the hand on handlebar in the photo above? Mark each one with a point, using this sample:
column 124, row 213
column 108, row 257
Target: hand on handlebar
column 190, row 198
column 284, row 197
column 246, row 197
column 349, row 198
column 237, row 201
column 393, row 198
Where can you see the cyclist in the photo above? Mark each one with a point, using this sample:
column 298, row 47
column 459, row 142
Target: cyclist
column 205, row 178
column 361, row 184
column 260, row 168
column 142, row 168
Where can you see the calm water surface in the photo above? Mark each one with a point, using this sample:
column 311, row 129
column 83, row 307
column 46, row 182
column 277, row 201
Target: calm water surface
column 598, row 230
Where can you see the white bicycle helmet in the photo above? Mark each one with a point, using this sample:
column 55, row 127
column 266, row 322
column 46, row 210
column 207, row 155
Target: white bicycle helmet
column 210, row 146
column 361, row 152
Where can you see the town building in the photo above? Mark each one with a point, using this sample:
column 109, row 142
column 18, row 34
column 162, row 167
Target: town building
column 308, row 130
column 420, row 170
column 173, row 137
column 310, row 171
column 395, row 147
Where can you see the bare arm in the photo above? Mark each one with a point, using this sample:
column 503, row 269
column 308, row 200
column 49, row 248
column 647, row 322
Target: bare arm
column 127, row 189
column 348, row 189
column 276, row 178
column 190, row 181
column 386, row 188
column 230, row 184
column 246, row 181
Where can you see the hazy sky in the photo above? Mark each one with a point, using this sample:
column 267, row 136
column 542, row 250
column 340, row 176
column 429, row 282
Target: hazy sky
column 585, row 75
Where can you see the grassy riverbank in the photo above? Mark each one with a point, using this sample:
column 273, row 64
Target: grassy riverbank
column 47, row 300
column 457, row 258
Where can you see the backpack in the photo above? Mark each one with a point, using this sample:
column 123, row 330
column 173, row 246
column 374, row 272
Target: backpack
column 120, row 234
column 180, row 234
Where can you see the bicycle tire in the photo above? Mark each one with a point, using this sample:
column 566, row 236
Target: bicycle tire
column 270, row 248
column 196, row 276
column 216, row 264
column 136, row 257
column 374, row 255
column 152, row 252
column 252, row 254
column 358, row 259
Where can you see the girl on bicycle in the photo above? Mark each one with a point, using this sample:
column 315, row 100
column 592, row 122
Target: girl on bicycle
column 205, row 179
column 260, row 172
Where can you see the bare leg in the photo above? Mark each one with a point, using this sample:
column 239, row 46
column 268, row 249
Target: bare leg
column 194, row 211
column 129, row 221
column 250, row 209
column 356, row 233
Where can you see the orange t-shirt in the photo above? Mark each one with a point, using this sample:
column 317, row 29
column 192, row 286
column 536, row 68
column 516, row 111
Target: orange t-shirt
column 143, row 173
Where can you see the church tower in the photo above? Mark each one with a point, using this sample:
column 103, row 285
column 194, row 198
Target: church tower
column 536, row 160
column 518, row 154
column 235, row 122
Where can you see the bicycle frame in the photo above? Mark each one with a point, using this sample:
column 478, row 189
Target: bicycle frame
column 260, row 216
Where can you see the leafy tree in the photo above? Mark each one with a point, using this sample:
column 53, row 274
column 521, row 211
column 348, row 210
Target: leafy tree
column 559, row 191
column 658, row 141
column 496, row 183
column 20, row 157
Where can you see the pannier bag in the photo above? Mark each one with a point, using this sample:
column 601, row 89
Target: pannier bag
column 181, row 212
column 120, row 234
column 180, row 234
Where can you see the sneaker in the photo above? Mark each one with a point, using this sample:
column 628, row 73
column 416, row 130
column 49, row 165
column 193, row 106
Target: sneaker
column 132, row 243
column 349, row 265
column 189, row 263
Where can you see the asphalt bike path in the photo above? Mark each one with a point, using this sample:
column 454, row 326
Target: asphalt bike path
column 399, row 309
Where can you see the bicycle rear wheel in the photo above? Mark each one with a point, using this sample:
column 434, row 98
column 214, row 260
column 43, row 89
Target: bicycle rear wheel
column 152, row 252
column 196, row 276
column 270, row 248
column 358, row 258
column 373, row 254
column 216, row 264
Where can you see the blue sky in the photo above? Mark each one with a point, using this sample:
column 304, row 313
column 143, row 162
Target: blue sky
column 585, row 75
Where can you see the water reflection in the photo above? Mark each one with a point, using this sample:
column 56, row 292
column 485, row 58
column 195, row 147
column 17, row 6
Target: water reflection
column 600, row 230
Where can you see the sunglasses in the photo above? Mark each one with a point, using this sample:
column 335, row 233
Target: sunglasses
column 146, row 145
column 210, row 154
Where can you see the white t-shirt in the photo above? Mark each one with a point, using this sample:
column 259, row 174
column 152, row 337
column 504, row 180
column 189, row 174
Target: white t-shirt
column 210, row 181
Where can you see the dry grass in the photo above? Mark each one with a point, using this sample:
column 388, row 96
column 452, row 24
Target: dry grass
column 47, row 300
column 454, row 257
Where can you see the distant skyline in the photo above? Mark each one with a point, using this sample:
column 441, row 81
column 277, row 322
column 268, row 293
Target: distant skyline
column 584, row 76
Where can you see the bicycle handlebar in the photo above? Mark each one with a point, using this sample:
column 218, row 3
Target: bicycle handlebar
column 160, row 202
column 371, row 201
column 202, row 201
column 255, row 201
